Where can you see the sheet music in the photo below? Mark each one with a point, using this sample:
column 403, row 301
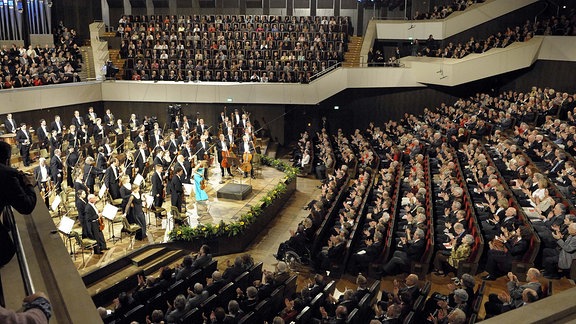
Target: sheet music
column 138, row 179
column 56, row 202
column 149, row 199
column 66, row 224
column 109, row 212
column 188, row 189
column 102, row 191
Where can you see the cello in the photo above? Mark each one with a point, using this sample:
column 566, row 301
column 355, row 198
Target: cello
column 224, row 163
column 246, row 165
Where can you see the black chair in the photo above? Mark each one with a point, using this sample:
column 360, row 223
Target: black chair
column 227, row 293
column 277, row 300
column 156, row 302
column 209, row 269
column 177, row 288
column 305, row 316
column 249, row 318
column 194, row 277
column 364, row 308
column 353, row 317
column 137, row 314
column 193, row 316
column 409, row 319
column 209, row 304
column 243, row 281
column 425, row 290
column 264, row 311
column 256, row 272
column 290, row 287
column 419, row 304
column 329, row 288
column 472, row 319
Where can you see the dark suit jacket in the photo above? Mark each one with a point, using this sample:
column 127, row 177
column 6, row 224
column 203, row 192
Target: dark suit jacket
column 54, row 126
column 77, row 123
column 10, row 126
column 201, row 150
column 56, row 167
column 89, row 173
column 21, row 137
column 157, row 185
column 90, row 213
column 415, row 250
column 42, row 137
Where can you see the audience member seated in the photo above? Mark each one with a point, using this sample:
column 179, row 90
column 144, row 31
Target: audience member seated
column 504, row 302
column 202, row 258
column 406, row 252
column 505, row 249
column 445, row 263
column 196, row 296
column 559, row 260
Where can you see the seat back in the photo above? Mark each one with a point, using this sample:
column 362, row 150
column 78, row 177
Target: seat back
column 264, row 311
column 305, row 316
column 227, row 293
column 137, row 314
column 243, row 281
column 353, row 317
column 290, row 287
column 193, row 316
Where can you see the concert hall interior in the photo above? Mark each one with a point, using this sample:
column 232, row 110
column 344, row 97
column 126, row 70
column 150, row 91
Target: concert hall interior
column 348, row 161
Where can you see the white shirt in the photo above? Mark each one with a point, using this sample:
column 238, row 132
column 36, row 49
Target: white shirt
column 43, row 173
column 224, row 147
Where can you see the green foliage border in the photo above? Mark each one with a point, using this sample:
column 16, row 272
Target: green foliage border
column 230, row 229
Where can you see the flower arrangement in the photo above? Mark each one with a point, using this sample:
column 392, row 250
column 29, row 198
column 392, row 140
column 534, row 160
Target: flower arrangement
column 223, row 229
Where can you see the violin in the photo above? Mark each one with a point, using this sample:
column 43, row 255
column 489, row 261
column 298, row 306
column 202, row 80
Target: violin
column 101, row 222
column 202, row 184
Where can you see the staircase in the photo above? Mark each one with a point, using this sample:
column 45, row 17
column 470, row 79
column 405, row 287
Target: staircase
column 88, row 71
column 352, row 56
column 117, row 61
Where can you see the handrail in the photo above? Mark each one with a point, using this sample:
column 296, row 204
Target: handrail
column 329, row 69
column 20, row 253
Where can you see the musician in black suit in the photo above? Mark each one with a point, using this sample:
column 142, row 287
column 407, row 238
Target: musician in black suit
column 120, row 133
column 201, row 127
column 111, row 178
column 109, row 119
column 141, row 158
column 42, row 176
column 90, row 118
column 141, row 137
column 71, row 161
column 176, row 189
column 58, row 126
column 223, row 146
column 101, row 160
column 172, row 145
column 91, row 215
column 184, row 164
column 55, row 142
column 406, row 252
column 98, row 132
column 203, row 153
column 247, row 147
column 107, row 147
column 42, row 133
column 90, row 173
column 81, row 208
column 24, row 140
column 155, row 138
column 56, row 170
column 77, row 120
column 10, row 124
column 158, row 186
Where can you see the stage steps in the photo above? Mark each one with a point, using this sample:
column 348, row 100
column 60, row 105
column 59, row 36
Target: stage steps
column 123, row 273
column 147, row 256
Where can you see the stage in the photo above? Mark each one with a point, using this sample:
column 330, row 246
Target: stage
column 211, row 212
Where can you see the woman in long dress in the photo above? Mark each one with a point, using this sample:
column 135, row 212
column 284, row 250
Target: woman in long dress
column 201, row 195
column 134, row 211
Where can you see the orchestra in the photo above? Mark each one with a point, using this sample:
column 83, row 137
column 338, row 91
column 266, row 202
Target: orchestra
column 94, row 153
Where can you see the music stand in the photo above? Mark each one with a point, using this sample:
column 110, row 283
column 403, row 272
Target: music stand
column 148, row 202
column 109, row 213
column 65, row 227
column 55, row 206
